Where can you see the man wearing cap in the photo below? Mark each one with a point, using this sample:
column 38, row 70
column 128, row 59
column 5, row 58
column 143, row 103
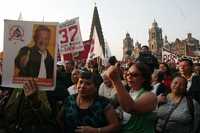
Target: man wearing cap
column 148, row 58
column 186, row 70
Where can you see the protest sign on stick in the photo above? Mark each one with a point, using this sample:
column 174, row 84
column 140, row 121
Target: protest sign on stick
column 70, row 39
column 169, row 57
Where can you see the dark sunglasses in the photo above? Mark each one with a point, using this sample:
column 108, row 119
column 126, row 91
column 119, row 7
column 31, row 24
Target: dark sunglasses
column 133, row 74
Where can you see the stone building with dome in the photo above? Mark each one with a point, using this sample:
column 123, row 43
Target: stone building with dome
column 186, row 47
column 127, row 47
column 137, row 49
column 155, row 39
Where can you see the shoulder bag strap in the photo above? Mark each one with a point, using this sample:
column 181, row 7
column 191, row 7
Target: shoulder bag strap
column 19, row 109
column 170, row 113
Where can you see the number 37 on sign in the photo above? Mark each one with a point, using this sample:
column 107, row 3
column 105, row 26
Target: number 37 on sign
column 70, row 39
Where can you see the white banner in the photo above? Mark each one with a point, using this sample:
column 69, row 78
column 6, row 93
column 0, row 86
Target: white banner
column 70, row 39
column 169, row 57
column 95, row 49
column 29, row 53
column 98, row 51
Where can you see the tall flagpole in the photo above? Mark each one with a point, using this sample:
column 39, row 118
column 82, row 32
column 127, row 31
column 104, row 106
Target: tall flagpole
column 43, row 19
column 20, row 16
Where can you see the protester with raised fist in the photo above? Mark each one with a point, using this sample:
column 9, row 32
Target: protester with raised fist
column 137, row 104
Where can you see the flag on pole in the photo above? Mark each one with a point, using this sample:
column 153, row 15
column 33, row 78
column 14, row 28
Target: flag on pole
column 95, row 49
column 20, row 16
column 107, row 55
column 98, row 52
column 107, row 51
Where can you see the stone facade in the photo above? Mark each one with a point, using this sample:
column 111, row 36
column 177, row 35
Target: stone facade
column 127, row 47
column 192, row 47
column 137, row 49
column 155, row 39
column 186, row 47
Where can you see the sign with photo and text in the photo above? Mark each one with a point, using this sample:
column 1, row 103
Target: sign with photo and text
column 30, row 52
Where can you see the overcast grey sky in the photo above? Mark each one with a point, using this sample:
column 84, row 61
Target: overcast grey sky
column 175, row 17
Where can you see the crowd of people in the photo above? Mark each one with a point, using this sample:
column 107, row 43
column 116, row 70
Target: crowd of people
column 138, row 96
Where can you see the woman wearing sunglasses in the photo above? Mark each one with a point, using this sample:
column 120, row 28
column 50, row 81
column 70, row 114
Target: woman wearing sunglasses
column 139, row 102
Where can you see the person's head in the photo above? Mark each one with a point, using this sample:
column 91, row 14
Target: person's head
column 185, row 67
column 197, row 68
column 144, row 49
column 106, row 80
column 86, row 84
column 157, row 76
column 75, row 75
column 69, row 66
column 60, row 68
column 179, row 86
column 163, row 67
column 89, row 64
column 139, row 76
column 41, row 37
column 112, row 60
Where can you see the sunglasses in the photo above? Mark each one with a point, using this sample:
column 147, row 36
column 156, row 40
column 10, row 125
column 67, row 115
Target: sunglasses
column 133, row 74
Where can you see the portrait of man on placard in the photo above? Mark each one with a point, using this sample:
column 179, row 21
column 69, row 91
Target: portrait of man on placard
column 36, row 59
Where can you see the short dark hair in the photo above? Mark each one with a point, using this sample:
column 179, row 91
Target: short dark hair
column 71, row 62
column 112, row 60
column 159, row 74
column 146, row 74
column 40, row 28
column 189, row 61
column 167, row 66
column 145, row 46
column 88, row 75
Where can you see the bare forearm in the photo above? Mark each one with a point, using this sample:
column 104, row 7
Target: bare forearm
column 108, row 129
column 123, row 96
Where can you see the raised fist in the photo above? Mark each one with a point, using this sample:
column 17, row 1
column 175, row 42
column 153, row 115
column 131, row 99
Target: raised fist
column 113, row 72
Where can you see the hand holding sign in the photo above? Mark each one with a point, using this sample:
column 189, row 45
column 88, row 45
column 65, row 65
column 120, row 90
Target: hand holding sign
column 31, row 91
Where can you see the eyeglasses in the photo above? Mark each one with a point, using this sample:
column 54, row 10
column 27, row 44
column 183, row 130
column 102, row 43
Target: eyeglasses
column 133, row 74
